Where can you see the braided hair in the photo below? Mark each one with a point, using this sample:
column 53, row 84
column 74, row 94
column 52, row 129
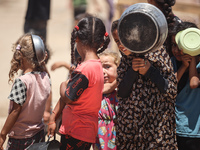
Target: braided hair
column 166, row 8
column 91, row 32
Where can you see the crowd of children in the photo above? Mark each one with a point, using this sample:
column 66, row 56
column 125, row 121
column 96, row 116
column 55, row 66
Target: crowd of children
column 111, row 101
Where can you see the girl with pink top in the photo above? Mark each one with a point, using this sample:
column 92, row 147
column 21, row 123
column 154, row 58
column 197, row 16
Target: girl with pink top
column 107, row 114
column 80, row 96
column 28, row 95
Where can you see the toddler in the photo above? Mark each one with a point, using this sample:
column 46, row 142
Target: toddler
column 107, row 113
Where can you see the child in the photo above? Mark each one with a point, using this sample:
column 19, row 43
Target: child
column 187, row 101
column 147, row 91
column 81, row 96
column 107, row 114
column 28, row 96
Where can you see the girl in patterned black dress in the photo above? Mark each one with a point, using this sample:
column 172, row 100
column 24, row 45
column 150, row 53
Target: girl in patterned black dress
column 147, row 90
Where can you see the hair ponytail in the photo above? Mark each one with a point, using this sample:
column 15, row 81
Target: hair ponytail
column 91, row 32
column 105, row 44
column 73, row 39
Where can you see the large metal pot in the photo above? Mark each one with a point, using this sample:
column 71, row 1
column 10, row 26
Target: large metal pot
column 142, row 28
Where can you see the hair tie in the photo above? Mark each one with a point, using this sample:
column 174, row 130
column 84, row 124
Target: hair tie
column 18, row 47
column 77, row 28
column 106, row 34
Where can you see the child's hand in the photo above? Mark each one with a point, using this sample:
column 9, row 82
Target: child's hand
column 141, row 65
column 2, row 140
column 55, row 66
column 51, row 129
column 186, row 59
column 72, row 68
column 109, row 87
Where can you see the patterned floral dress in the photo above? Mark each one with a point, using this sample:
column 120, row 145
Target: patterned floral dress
column 106, row 127
column 146, row 119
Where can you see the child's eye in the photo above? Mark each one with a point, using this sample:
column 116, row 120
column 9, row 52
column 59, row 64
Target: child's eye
column 106, row 66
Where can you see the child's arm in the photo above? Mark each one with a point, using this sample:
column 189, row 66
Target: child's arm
column 63, row 88
column 145, row 68
column 109, row 87
column 193, row 75
column 60, row 64
column 10, row 121
column 57, row 110
column 125, row 86
column 54, row 116
column 47, row 110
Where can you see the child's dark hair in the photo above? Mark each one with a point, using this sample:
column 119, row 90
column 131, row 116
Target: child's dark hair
column 166, row 8
column 82, row 15
column 91, row 32
column 185, row 25
column 177, row 28
column 114, row 26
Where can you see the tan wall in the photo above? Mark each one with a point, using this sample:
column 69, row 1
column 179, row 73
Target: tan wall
column 188, row 10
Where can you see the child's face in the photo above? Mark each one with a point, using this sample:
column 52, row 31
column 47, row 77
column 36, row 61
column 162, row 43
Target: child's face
column 109, row 68
column 120, row 46
column 175, row 50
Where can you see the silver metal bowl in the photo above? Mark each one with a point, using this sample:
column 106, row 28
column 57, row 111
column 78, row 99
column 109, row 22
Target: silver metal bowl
column 142, row 28
column 39, row 48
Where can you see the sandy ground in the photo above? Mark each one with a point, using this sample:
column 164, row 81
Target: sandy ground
column 12, row 14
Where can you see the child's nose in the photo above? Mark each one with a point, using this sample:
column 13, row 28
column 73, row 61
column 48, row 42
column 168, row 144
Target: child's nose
column 105, row 72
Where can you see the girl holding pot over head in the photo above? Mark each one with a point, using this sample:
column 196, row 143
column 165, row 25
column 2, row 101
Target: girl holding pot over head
column 147, row 90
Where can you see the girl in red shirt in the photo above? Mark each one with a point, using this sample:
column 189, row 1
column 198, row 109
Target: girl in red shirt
column 80, row 96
